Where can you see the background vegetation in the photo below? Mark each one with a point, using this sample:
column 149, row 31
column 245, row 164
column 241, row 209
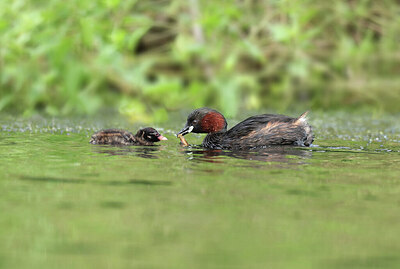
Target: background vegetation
column 147, row 58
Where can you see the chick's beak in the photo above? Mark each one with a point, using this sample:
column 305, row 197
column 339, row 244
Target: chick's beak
column 160, row 137
column 185, row 130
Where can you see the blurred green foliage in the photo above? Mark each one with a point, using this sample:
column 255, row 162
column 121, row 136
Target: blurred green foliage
column 150, row 57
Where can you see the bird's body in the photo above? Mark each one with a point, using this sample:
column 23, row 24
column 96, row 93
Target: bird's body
column 144, row 137
column 254, row 132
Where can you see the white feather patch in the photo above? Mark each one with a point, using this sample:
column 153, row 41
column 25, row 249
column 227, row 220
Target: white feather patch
column 302, row 118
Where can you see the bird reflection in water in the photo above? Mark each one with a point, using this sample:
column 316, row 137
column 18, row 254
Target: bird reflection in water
column 280, row 154
column 148, row 152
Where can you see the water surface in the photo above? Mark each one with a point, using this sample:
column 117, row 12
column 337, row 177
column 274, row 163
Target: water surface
column 68, row 204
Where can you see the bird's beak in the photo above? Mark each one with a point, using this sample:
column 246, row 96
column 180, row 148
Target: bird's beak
column 186, row 130
column 160, row 137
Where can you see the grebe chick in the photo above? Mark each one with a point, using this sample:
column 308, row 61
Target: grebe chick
column 254, row 132
column 144, row 137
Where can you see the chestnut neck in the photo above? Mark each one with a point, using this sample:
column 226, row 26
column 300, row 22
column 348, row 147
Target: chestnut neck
column 213, row 122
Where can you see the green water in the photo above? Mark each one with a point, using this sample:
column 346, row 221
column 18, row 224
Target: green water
column 67, row 204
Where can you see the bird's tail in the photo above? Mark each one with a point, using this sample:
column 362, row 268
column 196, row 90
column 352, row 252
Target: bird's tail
column 302, row 120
